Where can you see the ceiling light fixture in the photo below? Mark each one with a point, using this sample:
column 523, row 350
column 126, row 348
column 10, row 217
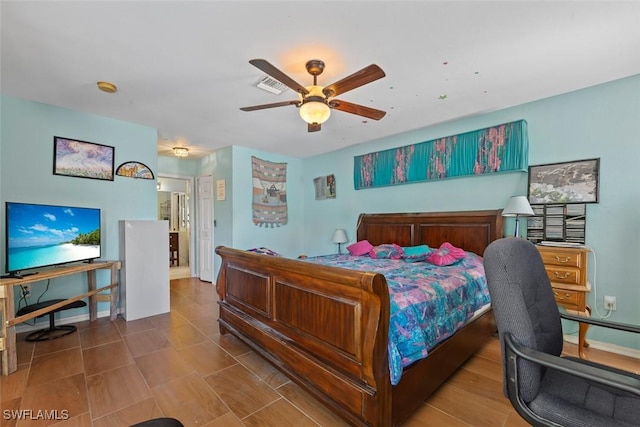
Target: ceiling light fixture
column 315, row 112
column 314, row 108
column 107, row 87
column 180, row 151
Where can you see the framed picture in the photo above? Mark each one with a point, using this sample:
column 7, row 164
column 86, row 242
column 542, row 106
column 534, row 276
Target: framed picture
column 134, row 170
column 325, row 187
column 82, row 159
column 569, row 182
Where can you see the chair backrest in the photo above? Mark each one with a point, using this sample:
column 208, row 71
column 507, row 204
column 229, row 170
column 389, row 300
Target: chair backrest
column 523, row 304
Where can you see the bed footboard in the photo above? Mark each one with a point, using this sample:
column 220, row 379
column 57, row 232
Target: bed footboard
column 324, row 327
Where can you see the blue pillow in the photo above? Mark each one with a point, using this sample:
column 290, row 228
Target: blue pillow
column 416, row 253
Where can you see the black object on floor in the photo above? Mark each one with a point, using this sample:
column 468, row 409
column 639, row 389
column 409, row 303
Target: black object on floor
column 54, row 331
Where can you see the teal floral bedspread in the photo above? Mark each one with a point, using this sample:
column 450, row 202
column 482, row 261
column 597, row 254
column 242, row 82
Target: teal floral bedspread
column 428, row 303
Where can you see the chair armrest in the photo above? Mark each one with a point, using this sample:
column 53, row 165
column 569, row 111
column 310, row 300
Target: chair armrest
column 607, row 324
column 514, row 350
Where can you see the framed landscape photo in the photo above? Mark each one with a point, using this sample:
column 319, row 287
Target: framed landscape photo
column 568, row 182
column 82, row 159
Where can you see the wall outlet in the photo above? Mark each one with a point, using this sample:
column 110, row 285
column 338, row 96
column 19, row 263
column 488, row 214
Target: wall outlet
column 610, row 303
column 26, row 290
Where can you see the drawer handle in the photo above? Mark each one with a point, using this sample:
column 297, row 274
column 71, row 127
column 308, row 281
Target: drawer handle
column 563, row 259
column 565, row 276
column 566, row 295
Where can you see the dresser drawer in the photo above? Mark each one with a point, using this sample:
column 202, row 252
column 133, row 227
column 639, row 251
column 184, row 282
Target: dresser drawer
column 563, row 258
column 569, row 299
column 570, row 276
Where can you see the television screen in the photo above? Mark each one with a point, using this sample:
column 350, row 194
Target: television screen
column 44, row 235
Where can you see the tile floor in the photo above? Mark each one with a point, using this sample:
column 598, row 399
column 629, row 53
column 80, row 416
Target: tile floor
column 178, row 365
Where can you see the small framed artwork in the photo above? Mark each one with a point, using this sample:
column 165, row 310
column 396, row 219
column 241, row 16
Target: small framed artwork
column 325, row 187
column 82, row 159
column 568, row 182
column 220, row 189
column 135, row 170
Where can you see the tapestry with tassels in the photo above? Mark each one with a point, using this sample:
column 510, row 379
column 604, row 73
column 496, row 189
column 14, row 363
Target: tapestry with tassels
column 269, row 193
column 501, row 148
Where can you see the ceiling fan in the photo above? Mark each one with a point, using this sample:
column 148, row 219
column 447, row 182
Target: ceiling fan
column 316, row 102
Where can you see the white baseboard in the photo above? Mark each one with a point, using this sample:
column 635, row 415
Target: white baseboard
column 611, row 348
column 25, row 327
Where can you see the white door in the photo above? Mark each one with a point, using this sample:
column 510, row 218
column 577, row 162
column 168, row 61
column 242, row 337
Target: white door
column 205, row 227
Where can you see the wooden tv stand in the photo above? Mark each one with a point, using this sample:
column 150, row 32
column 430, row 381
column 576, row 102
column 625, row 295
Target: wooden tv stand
column 7, row 309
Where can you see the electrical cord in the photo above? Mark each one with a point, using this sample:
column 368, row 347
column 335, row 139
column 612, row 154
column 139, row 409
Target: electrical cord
column 595, row 289
column 23, row 298
column 45, row 290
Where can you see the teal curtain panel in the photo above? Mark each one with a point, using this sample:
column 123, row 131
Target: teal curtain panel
column 501, row 148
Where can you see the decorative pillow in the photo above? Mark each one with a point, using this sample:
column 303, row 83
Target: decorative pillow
column 416, row 253
column 447, row 254
column 387, row 250
column 263, row 250
column 360, row 248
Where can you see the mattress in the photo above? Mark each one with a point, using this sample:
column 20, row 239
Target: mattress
column 428, row 303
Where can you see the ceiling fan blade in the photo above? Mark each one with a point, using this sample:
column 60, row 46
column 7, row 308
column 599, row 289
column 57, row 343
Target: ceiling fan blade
column 360, row 110
column 357, row 79
column 313, row 127
column 268, row 68
column 264, row 106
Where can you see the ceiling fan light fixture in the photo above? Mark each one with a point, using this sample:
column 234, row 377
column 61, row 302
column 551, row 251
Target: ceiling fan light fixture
column 315, row 112
column 180, row 151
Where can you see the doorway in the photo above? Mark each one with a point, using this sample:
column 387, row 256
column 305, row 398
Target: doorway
column 175, row 206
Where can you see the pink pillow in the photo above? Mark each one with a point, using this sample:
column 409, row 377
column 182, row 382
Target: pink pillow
column 360, row 248
column 447, row 254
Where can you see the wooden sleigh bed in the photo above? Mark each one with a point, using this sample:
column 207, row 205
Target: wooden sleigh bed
column 327, row 327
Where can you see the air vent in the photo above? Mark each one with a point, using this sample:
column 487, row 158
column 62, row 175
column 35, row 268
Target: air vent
column 271, row 85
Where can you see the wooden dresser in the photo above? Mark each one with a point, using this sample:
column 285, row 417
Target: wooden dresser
column 567, row 270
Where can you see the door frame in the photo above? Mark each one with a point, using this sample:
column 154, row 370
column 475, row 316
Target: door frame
column 192, row 234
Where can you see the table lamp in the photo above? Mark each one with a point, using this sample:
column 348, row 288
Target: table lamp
column 518, row 206
column 340, row 237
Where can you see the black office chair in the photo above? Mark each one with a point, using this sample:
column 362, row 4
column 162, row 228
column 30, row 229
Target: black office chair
column 54, row 331
column 159, row 422
column 546, row 389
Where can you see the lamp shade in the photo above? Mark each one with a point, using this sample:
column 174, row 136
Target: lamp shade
column 340, row 236
column 315, row 112
column 518, row 206
column 314, row 108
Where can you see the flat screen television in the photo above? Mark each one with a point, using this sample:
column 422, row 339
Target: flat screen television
column 46, row 235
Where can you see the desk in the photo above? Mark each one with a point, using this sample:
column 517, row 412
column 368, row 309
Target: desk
column 7, row 309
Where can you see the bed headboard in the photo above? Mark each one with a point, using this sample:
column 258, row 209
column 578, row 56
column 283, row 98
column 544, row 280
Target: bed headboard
column 470, row 230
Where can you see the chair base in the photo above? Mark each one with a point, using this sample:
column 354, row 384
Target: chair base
column 54, row 331
column 51, row 334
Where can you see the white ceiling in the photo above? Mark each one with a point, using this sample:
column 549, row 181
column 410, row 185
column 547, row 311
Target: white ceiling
column 182, row 66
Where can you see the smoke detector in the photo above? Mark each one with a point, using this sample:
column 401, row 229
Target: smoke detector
column 271, row 85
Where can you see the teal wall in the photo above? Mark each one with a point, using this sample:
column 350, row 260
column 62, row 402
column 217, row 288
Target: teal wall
column 26, row 166
column 601, row 121
column 177, row 166
column 286, row 240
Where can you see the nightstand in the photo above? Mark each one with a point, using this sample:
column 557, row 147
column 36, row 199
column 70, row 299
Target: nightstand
column 567, row 270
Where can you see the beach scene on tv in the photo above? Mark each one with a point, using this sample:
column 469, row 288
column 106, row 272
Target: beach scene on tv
column 43, row 235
